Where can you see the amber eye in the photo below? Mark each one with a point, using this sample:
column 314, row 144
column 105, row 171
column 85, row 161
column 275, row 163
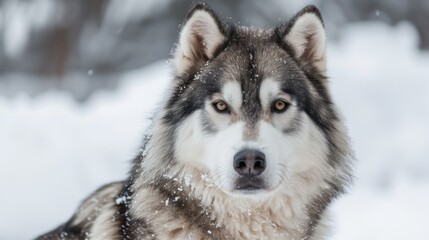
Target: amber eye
column 220, row 106
column 280, row 106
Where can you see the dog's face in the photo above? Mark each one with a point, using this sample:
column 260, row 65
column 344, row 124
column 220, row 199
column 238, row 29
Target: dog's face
column 249, row 104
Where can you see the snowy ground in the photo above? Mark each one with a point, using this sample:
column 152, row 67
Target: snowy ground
column 54, row 151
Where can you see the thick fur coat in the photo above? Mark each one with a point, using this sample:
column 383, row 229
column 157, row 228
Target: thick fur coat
column 247, row 144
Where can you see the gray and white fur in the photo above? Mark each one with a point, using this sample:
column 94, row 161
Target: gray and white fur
column 247, row 145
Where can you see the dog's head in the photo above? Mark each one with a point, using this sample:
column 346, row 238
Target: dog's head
column 250, row 106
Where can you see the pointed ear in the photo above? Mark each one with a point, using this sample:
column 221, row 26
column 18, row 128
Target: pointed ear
column 306, row 36
column 199, row 39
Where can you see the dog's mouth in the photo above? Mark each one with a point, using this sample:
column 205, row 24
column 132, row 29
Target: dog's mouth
column 249, row 185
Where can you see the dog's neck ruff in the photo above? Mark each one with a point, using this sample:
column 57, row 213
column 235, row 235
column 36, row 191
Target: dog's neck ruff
column 217, row 215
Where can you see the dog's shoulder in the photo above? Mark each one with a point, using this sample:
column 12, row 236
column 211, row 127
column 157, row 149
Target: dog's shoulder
column 99, row 207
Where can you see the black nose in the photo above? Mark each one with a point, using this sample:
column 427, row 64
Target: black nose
column 249, row 162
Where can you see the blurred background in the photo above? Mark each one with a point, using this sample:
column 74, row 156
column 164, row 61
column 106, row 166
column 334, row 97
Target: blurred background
column 78, row 79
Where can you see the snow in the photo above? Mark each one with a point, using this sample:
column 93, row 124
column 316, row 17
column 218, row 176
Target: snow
column 380, row 82
column 55, row 151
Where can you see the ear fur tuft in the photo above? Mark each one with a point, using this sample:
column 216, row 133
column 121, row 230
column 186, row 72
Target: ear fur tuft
column 305, row 34
column 201, row 35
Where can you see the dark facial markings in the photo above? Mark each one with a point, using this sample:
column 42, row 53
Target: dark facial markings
column 249, row 59
column 207, row 124
column 191, row 93
column 251, row 105
column 294, row 125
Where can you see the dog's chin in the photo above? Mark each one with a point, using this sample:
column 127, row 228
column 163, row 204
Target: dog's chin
column 249, row 188
column 250, row 193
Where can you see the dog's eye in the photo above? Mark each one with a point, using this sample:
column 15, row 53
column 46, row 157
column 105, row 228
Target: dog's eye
column 280, row 106
column 220, row 106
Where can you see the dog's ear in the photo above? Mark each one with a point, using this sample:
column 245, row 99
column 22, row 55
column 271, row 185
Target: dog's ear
column 201, row 35
column 305, row 35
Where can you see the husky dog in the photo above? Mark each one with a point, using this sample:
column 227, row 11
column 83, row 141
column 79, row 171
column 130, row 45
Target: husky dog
column 248, row 144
